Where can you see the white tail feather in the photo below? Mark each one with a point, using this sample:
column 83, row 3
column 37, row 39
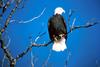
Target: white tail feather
column 59, row 45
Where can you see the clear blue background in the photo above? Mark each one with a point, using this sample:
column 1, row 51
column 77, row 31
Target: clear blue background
column 84, row 44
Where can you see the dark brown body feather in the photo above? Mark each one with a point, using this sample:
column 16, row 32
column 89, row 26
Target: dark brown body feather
column 56, row 27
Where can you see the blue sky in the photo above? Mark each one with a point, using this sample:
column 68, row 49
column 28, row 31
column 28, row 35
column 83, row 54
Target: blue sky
column 84, row 44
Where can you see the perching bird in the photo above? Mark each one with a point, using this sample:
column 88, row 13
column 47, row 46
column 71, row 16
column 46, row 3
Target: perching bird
column 57, row 30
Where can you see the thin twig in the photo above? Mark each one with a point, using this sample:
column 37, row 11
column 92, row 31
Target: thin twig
column 46, row 61
column 69, row 16
column 32, row 57
column 3, row 60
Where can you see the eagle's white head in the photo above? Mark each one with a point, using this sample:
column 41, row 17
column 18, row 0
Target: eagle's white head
column 59, row 10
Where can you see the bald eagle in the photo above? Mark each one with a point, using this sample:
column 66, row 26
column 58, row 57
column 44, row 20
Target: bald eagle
column 57, row 30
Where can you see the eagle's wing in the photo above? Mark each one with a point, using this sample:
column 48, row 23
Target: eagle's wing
column 56, row 26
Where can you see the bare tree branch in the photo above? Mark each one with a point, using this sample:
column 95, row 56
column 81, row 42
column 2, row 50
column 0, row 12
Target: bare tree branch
column 3, row 60
column 5, row 7
column 6, row 51
column 74, row 20
column 30, row 20
column 46, row 61
column 6, row 47
column 23, row 4
column 69, row 16
column 32, row 58
column 34, row 17
column 30, row 47
column 9, row 17
column 83, row 26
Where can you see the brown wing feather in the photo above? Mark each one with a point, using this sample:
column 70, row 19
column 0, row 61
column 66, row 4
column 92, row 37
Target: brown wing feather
column 56, row 26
